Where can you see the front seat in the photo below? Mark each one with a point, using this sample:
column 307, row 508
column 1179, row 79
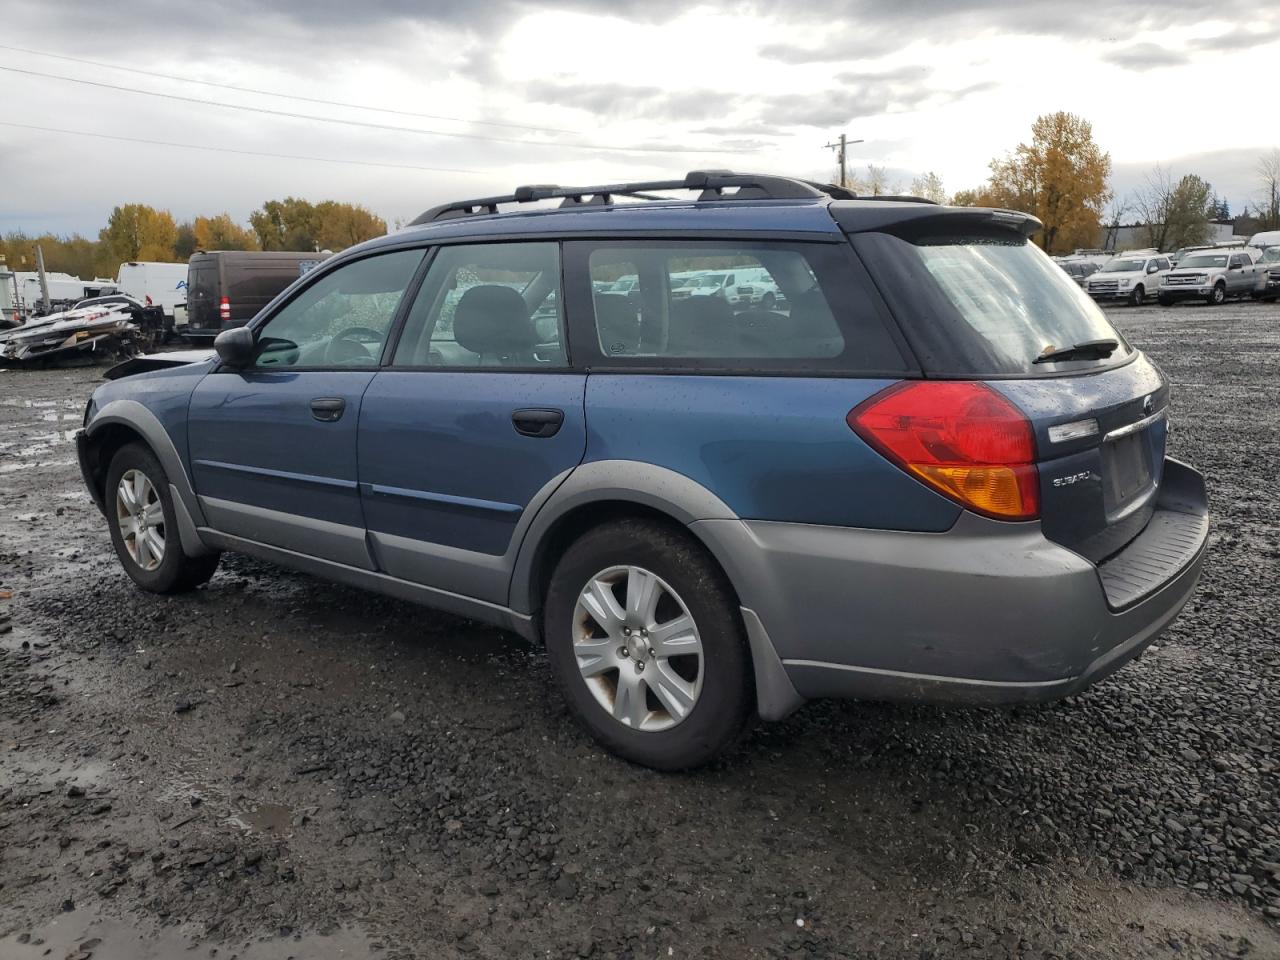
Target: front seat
column 492, row 321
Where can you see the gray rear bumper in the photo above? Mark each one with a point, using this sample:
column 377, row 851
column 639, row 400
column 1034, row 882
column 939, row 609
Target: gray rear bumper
column 988, row 612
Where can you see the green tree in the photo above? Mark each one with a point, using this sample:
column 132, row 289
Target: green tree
column 288, row 224
column 185, row 245
column 1175, row 213
column 136, row 231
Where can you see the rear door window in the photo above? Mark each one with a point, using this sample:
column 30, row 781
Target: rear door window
column 985, row 305
column 748, row 305
column 487, row 305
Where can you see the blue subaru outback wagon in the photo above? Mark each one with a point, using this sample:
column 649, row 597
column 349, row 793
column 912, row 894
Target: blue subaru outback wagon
column 723, row 453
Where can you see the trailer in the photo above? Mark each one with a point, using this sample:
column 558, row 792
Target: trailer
column 154, row 284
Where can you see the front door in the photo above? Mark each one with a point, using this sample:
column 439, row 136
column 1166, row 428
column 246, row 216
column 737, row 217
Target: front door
column 273, row 446
column 475, row 416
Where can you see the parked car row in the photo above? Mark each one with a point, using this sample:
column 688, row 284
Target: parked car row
column 743, row 286
column 1213, row 273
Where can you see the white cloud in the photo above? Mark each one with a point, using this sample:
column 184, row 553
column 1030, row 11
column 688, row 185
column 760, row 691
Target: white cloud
column 928, row 85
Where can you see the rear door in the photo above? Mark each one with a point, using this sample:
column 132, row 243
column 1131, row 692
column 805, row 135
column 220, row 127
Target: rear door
column 476, row 418
column 202, row 293
column 979, row 303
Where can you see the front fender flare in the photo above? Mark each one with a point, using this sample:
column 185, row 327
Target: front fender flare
column 132, row 414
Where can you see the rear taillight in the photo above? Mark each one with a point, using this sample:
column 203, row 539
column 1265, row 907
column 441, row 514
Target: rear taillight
column 224, row 310
column 962, row 439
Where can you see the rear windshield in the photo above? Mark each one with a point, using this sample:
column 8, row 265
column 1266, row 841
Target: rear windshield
column 985, row 305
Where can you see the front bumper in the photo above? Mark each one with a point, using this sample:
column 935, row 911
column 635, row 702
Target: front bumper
column 1109, row 296
column 84, row 454
column 988, row 612
column 1180, row 293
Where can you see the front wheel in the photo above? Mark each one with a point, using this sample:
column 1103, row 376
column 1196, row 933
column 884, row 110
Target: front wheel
column 1164, row 301
column 646, row 643
column 144, row 528
column 1219, row 295
column 1138, row 297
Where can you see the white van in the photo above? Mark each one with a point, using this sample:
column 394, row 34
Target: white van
column 154, row 284
column 1268, row 238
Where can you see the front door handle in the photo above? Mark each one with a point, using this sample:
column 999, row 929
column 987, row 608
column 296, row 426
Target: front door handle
column 537, row 422
column 328, row 409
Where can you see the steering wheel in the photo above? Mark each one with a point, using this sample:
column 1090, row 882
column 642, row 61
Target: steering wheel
column 349, row 346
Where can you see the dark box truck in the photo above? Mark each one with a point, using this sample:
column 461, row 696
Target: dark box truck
column 227, row 288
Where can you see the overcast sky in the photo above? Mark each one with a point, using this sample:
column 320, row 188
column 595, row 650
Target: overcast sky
column 602, row 90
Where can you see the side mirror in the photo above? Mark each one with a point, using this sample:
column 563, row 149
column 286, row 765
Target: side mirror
column 236, row 346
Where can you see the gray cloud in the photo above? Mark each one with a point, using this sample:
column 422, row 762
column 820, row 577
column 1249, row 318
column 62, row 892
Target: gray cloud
column 1239, row 38
column 1145, row 56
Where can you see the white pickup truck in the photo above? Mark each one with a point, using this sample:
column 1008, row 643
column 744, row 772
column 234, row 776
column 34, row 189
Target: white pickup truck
column 1214, row 276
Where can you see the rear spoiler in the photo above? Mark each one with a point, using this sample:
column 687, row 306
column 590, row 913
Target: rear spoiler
column 910, row 220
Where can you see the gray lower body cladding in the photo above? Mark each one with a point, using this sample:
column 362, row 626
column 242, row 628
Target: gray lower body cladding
column 987, row 612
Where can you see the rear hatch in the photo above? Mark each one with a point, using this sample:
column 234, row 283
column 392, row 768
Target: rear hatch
column 977, row 301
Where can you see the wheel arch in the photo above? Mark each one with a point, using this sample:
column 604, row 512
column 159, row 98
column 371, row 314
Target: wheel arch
column 600, row 492
column 611, row 490
column 127, row 421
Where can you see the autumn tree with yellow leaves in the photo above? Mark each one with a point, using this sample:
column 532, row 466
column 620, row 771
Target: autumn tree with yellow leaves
column 1062, row 177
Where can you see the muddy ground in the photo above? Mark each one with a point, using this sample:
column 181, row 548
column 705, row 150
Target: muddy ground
column 274, row 766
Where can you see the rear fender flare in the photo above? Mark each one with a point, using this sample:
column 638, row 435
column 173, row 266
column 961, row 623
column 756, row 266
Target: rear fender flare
column 628, row 481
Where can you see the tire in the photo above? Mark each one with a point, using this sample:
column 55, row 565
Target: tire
column 1138, row 297
column 768, row 301
column 152, row 523
column 599, row 661
column 1219, row 295
column 1164, row 301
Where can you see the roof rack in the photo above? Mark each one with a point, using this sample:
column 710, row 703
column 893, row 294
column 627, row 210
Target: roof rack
column 711, row 183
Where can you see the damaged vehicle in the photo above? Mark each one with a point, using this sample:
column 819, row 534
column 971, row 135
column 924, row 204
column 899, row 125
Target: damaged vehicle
column 86, row 332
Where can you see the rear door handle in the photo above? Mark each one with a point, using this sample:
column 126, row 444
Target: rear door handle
column 537, row 422
column 328, row 409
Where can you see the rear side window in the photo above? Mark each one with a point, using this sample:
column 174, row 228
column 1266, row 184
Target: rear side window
column 751, row 306
column 985, row 305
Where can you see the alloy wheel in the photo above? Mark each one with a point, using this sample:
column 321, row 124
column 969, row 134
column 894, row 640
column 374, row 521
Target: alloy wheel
column 637, row 648
column 140, row 515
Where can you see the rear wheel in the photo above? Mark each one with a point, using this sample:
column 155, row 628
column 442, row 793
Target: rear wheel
column 646, row 643
column 1138, row 297
column 1219, row 294
column 144, row 528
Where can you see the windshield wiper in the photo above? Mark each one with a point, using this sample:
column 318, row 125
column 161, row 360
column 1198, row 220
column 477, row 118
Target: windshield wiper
column 1089, row 350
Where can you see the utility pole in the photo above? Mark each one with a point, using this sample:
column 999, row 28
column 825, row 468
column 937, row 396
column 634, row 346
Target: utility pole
column 842, row 150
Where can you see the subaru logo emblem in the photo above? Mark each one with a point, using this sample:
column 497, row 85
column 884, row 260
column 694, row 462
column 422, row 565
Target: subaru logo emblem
column 1148, row 404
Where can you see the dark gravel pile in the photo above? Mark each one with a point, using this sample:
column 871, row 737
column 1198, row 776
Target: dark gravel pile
column 278, row 757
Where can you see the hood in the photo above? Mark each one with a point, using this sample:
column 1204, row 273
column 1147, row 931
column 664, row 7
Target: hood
column 157, row 361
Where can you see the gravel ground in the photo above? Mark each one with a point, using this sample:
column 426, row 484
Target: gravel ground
column 274, row 766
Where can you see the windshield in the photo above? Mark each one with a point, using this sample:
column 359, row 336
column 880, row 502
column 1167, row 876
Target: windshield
column 1016, row 300
column 1205, row 260
column 1123, row 266
column 1270, row 255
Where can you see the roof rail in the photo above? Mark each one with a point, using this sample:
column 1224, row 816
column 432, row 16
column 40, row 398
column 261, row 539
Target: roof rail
column 710, row 183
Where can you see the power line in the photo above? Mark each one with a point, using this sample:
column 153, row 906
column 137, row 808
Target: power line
column 285, row 96
column 365, row 124
column 247, row 153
